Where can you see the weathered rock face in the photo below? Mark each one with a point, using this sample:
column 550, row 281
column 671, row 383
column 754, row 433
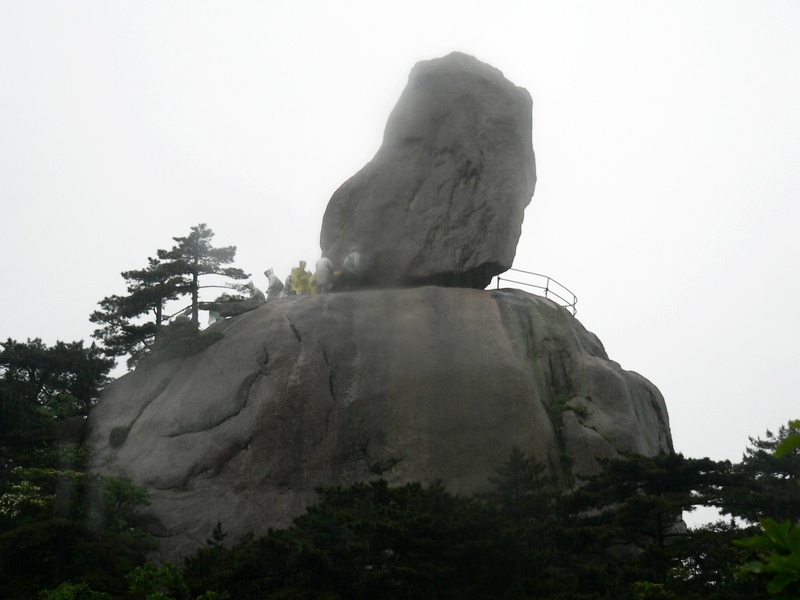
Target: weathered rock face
column 409, row 385
column 442, row 202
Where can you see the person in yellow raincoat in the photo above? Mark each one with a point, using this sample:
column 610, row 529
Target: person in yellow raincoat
column 312, row 284
column 301, row 279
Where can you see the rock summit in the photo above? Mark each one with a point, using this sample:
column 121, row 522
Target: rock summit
column 418, row 384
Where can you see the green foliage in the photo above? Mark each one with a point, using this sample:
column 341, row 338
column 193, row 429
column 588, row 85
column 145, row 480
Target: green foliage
column 529, row 526
column 118, row 334
column 778, row 543
column 707, row 564
column 120, row 500
column 618, row 537
column 41, row 385
column 149, row 290
column 64, row 524
column 57, row 522
column 217, row 536
column 622, row 535
column 524, row 539
column 645, row 590
column 764, row 483
column 640, row 499
column 24, row 498
column 194, row 257
column 367, row 541
column 520, row 486
column 45, row 552
column 158, row 583
column 560, row 403
column 615, row 538
column 790, row 442
column 779, row 549
column 73, row 591
column 136, row 324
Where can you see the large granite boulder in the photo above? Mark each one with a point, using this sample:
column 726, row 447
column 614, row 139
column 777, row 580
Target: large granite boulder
column 409, row 385
column 442, row 202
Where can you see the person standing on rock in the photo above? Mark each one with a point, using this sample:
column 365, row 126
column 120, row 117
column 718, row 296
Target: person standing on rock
column 274, row 285
column 301, row 279
column 351, row 271
column 287, row 286
column 324, row 274
column 255, row 293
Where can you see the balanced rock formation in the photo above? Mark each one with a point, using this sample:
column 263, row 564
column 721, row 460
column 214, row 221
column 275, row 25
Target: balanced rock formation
column 442, row 201
column 420, row 383
column 408, row 385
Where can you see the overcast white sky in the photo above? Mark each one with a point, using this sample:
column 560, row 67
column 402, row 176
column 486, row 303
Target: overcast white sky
column 667, row 137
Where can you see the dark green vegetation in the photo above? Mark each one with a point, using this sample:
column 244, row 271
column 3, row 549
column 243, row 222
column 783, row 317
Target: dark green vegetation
column 68, row 534
column 136, row 324
column 778, row 546
column 57, row 522
column 618, row 536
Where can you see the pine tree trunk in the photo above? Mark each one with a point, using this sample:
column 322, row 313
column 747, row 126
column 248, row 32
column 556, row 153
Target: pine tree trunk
column 195, row 295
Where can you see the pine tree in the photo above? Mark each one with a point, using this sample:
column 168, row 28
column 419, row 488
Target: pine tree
column 40, row 385
column 634, row 507
column 194, row 257
column 529, row 527
column 772, row 466
column 149, row 290
column 133, row 323
column 57, row 521
column 765, row 484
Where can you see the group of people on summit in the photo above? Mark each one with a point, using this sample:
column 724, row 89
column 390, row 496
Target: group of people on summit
column 323, row 281
column 299, row 282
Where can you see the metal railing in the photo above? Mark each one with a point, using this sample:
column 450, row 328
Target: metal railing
column 552, row 289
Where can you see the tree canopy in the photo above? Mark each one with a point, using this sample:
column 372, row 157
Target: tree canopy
column 57, row 521
column 193, row 257
column 763, row 483
column 41, row 385
column 66, row 532
column 619, row 536
column 132, row 324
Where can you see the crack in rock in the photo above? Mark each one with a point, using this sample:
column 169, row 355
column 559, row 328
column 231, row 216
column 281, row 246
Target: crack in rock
column 241, row 400
column 294, row 330
column 330, row 375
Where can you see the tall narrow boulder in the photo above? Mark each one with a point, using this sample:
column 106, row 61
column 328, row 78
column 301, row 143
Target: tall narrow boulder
column 442, row 202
